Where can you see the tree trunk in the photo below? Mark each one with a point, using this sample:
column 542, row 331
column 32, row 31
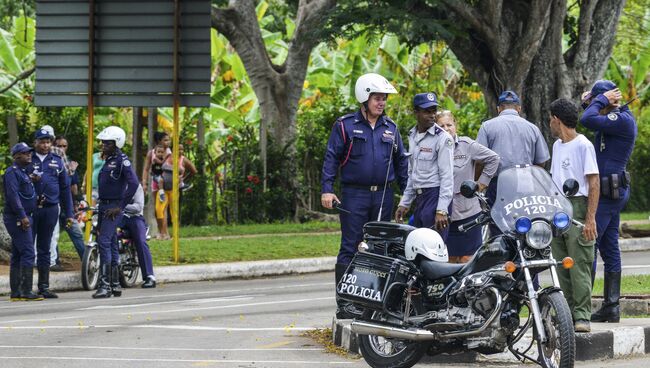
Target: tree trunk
column 5, row 243
column 136, row 154
column 12, row 129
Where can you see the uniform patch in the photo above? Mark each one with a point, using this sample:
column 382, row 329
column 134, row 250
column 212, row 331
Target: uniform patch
column 388, row 135
column 426, row 149
column 431, row 97
column 449, row 142
column 126, row 163
column 460, row 157
column 612, row 117
column 357, row 131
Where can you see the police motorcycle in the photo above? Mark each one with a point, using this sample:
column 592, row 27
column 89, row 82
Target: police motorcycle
column 129, row 266
column 416, row 303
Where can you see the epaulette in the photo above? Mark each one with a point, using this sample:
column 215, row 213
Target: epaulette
column 389, row 120
column 346, row 116
column 465, row 139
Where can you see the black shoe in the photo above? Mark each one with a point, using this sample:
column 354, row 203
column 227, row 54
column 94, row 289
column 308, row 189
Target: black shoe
column 149, row 284
column 104, row 288
column 610, row 311
column 14, row 283
column 26, row 281
column 44, row 283
column 116, row 288
column 57, row 268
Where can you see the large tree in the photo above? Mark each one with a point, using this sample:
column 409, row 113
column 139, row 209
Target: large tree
column 542, row 49
column 277, row 87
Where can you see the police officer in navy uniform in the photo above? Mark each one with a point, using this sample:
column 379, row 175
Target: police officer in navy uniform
column 367, row 149
column 20, row 203
column 616, row 132
column 52, row 185
column 117, row 183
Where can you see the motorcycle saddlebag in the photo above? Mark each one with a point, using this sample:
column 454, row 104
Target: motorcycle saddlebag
column 368, row 278
column 386, row 237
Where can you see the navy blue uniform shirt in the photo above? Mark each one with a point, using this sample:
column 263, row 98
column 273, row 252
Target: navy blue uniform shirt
column 117, row 180
column 362, row 153
column 615, row 135
column 19, row 193
column 55, row 183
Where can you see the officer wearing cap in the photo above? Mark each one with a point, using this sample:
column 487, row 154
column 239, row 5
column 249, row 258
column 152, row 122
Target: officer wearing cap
column 117, row 186
column 516, row 140
column 52, row 185
column 367, row 149
column 616, row 133
column 20, row 202
column 431, row 169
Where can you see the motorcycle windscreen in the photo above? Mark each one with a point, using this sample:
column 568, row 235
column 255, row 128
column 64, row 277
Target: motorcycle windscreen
column 527, row 192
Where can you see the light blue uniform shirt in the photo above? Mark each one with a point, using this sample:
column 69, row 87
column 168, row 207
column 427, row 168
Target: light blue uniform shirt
column 516, row 140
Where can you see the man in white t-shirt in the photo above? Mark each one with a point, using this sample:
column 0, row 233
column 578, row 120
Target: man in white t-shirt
column 574, row 157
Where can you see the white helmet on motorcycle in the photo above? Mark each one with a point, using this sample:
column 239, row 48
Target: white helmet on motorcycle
column 371, row 83
column 113, row 133
column 426, row 242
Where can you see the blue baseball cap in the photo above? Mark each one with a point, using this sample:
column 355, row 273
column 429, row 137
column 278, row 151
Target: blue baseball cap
column 601, row 86
column 425, row 100
column 42, row 133
column 508, row 97
column 20, row 148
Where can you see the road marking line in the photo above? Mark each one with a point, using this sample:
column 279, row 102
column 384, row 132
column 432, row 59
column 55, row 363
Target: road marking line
column 180, row 360
column 164, row 327
column 151, row 349
column 230, row 306
column 185, row 301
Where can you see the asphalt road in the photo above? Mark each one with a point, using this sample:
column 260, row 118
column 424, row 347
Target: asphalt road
column 234, row 323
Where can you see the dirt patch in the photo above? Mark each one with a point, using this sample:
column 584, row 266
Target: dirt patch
column 323, row 336
column 68, row 263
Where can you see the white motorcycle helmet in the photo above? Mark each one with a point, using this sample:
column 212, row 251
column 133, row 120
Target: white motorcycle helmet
column 426, row 242
column 113, row 133
column 371, row 83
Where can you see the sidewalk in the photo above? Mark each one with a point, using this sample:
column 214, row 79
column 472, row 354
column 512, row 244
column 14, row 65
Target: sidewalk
column 621, row 340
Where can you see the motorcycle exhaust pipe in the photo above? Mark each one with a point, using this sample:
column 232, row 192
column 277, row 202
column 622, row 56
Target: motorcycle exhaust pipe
column 368, row 328
column 416, row 334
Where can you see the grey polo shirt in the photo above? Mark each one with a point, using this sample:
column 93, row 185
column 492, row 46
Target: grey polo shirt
column 516, row 140
column 430, row 165
column 467, row 153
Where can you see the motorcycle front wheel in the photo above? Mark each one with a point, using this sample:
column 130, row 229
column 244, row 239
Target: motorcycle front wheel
column 559, row 349
column 129, row 267
column 387, row 352
column 90, row 268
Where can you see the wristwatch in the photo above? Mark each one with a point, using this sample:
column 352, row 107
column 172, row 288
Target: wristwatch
column 441, row 212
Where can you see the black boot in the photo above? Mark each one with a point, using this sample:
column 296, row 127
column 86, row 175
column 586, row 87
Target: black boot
column 115, row 281
column 26, row 281
column 14, row 283
column 104, row 287
column 44, row 283
column 610, row 311
column 344, row 309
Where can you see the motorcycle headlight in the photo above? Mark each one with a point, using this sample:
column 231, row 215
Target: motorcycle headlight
column 540, row 235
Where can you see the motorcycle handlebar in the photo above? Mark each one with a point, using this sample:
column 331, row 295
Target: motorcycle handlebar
column 472, row 224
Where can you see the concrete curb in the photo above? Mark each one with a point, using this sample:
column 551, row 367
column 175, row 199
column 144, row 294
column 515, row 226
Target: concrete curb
column 634, row 244
column 616, row 343
column 202, row 272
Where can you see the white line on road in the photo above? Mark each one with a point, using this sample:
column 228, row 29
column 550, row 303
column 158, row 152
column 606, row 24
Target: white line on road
column 180, row 360
column 230, row 306
column 148, row 349
column 166, row 327
column 184, row 301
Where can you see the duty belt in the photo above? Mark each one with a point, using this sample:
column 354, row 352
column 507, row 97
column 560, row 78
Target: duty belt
column 421, row 191
column 372, row 188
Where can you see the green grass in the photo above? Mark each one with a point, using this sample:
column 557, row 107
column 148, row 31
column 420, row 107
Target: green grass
column 193, row 251
column 630, row 285
column 640, row 226
column 276, row 228
column 626, row 216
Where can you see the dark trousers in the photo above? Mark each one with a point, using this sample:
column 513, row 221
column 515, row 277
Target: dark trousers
column 491, row 197
column 364, row 207
column 45, row 220
column 608, row 216
column 425, row 210
column 137, row 228
column 107, row 238
column 22, row 243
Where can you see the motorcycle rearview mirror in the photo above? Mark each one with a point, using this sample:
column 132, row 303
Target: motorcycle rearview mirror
column 468, row 188
column 570, row 187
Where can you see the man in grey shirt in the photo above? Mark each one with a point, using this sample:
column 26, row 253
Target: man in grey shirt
column 516, row 140
column 133, row 221
column 430, row 179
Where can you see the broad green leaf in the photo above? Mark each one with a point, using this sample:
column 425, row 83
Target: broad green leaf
column 291, row 27
column 261, row 9
column 9, row 61
column 23, row 38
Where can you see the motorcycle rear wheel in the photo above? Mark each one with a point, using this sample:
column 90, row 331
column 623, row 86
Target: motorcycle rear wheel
column 90, row 268
column 129, row 267
column 559, row 350
column 386, row 352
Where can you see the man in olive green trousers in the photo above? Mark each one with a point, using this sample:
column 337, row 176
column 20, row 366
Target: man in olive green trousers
column 574, row 157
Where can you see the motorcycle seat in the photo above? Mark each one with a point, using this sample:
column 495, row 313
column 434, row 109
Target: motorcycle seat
column 433, row 270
